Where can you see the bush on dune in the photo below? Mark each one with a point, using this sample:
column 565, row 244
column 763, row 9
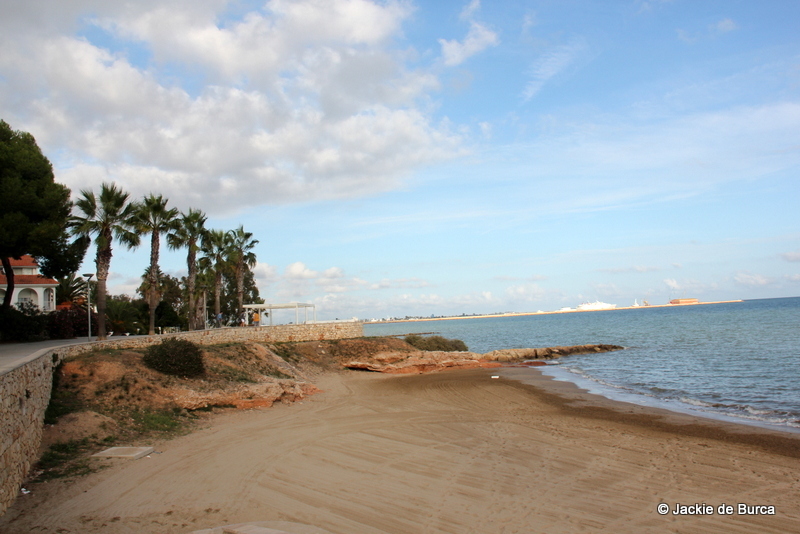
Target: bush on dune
column 177, row 357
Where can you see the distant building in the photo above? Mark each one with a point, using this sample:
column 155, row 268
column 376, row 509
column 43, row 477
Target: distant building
column 684, row 301
column 29, row 285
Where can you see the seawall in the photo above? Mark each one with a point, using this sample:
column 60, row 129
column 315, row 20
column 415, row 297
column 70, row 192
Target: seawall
column 25, row 391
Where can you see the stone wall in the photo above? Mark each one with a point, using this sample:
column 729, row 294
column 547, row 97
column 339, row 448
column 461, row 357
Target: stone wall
column 25, row 391
column 215, row 336
column 25, row 394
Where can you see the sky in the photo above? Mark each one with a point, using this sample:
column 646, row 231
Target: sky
column 438, row 157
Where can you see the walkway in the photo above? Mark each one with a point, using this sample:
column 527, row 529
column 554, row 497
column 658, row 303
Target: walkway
column 13, row 355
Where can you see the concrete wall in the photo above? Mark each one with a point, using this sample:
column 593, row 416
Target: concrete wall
column 25, row 391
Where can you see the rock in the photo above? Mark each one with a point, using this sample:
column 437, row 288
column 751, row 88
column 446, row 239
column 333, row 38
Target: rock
column 262, row 394
column 426, row 361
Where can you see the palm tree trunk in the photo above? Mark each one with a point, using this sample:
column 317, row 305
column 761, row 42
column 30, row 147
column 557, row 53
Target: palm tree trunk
column 153, row 275
column 217, row 292
column 191, row 263
column 197, row 313
column 240, row 286
column 103, row 262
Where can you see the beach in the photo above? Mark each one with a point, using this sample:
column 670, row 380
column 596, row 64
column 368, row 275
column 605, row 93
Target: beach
column 455, row 451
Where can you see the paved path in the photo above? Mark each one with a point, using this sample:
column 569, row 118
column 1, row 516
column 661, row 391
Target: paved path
column 12, row 355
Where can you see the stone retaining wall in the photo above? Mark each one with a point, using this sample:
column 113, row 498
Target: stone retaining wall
column 25, row 391
column 25, row 394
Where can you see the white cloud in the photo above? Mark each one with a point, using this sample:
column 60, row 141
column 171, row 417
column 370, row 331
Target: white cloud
column 634, row 269
column 791, row 256
column 299, row 271
column 477, row 40
column 725, row 26
column 529, row 21
column 672, row 283
column 526, row 293
column 223, row 114
column 606, row 290
column 533, row 278
column 682, row 157
column 648, row 5
column 264, row 274
column 549, row 65
column 414, row 283
column 470, row 9
column 749, row 279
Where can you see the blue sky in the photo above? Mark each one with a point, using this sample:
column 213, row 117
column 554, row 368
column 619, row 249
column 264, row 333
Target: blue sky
column 415, row 158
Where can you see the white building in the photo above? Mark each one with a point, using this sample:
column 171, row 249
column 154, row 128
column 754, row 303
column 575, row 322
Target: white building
column 29, row 285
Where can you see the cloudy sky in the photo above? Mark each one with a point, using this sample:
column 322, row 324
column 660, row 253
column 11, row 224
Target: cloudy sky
column 431, row 156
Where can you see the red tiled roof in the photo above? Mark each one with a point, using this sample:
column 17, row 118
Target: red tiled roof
column 24, row 261
column 28, row 280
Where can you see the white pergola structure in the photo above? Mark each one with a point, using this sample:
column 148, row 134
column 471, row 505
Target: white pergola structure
column 288, row 306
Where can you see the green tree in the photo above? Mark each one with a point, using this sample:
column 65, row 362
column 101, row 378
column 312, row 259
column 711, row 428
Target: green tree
column 34, row 210
column 105, row 218
column 216, row 247
column 189, row 234
column 154, row 218
column 71, row 288
column 123, row 315
column 169, row 289
column 241, row 258
column 204, row 285
column 230, row 301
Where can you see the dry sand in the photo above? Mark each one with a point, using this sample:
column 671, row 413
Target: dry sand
column 451, row 452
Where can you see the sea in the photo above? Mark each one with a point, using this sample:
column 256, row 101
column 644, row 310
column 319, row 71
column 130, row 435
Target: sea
column 736, row 361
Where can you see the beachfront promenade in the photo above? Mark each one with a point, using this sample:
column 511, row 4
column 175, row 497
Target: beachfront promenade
column 13, row 355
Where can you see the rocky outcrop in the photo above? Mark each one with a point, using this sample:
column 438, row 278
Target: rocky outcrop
column 260, row 395
column 547, row 353
column 419, row 362
column 426, row 361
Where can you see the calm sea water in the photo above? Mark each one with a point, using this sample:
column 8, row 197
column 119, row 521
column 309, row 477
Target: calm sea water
column 736, row 360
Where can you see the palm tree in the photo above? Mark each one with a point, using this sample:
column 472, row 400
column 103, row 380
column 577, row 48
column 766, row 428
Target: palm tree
column 153, row 217
column 189, row 234
column 105, row 218
column 123, row 315
column 241, row 257
column 71, row 289
column 216, row 245
column 204, row 284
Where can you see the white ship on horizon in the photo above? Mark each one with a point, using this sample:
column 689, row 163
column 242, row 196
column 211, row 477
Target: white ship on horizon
column 596, row 305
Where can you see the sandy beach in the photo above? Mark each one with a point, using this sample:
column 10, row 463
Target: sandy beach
column 455, row 452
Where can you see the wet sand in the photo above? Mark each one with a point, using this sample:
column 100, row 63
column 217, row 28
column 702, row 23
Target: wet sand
column 454, row 452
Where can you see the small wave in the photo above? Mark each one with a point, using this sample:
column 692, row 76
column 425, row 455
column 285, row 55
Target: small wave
column 698, row 402
column 744, row 411
column 681, row 401
column 756, row 411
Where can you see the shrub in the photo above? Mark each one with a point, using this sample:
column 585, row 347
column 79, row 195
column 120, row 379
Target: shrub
column 435, row 343
column 177, row 357
column 23, row 323
column 69, row 323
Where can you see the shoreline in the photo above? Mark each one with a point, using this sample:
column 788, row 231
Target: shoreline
column 453, row 451
column 571, row 398
column 674, row 406
column 525, row 314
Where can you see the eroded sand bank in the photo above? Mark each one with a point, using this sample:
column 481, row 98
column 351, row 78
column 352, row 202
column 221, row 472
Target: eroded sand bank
column 445, row 452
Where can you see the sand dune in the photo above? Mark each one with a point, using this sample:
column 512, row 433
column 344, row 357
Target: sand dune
column 451, row 452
